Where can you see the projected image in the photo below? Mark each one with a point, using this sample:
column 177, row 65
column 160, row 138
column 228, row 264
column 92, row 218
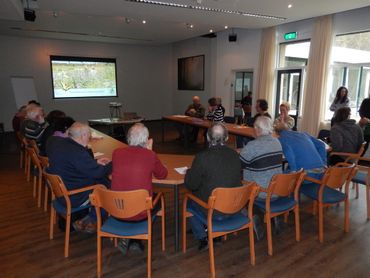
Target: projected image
column 76, row 77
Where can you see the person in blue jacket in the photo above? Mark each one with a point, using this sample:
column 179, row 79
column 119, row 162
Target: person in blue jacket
column 301, row 150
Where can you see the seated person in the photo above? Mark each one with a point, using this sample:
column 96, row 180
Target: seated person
column 261, row 159
column 34, row 125
column 284, row 116
column 19, row 118
column 49, row 130
column 215, row 111
column 72, row 161
column 302, row 150
column 134, row 167
column 195, row 110
column 261, row 108
column 345, row 135
column 247, row 105
column 210, row 171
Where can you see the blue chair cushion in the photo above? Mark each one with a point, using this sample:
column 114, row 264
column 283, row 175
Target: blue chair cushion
column 330, row 195
column 62, row 209
column 222, row 223
column 280, row 204
column 125, row 228
column 360, row 177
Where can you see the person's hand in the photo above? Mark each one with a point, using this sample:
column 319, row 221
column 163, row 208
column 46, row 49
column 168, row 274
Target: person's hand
column 149, row 144
column 364, row 121
column 103, row 161
column 192, row 111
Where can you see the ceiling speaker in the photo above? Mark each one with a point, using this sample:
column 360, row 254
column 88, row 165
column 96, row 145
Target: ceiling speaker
column 232, row 37
column 29, row 15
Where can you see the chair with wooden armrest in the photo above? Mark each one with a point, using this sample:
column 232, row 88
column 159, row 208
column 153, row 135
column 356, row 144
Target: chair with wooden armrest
column 61, row 204
column 27, row 159
column 282, row 197
column 21, row 148
column 325, row 192
column 37, row 173
column 45, row 164
column 352, row 158
column 121, row 205
column 363, row 177
column 229, row 201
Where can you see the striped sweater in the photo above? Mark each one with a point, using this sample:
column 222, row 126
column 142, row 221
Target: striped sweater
column 217, row 115
column 261, row 159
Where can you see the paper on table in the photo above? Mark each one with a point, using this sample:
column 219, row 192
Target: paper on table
column 97, row 154
column 181, row 116
column 181, row 170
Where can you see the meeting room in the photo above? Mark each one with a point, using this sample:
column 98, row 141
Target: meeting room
column 187, row 138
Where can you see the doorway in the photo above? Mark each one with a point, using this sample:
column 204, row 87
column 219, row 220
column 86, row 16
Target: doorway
column 289, row 90
column 243, row 85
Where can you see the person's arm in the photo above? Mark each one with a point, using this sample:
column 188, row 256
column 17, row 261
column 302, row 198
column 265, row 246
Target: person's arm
column 193, row 177
column 187, row 110
column 89, row 167
column 290, row 122
column 320, row 147
column 333, row 106
column 289, row 155
column 160, row 171
column 201, row 112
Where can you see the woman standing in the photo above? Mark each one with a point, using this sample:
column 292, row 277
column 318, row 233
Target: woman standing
column 341, row 100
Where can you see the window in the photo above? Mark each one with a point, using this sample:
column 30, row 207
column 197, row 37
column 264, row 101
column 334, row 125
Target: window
column 350, row 68
column 294, row 54
column 81, row 77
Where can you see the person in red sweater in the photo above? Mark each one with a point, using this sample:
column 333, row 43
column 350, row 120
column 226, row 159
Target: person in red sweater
column 134, row 168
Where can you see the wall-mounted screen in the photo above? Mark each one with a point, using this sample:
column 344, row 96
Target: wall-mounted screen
column 82, row 77
column 191, row 73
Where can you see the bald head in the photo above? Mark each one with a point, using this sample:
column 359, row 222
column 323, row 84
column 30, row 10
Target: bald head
column 196, row 100
column 80, row 133
column 217, row 134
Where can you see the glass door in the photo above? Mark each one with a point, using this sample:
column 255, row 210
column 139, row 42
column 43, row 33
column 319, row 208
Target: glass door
column 289, row 90
column 243, row 85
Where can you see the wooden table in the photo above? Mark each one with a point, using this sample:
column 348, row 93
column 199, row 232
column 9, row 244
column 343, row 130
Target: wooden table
column 113, row 122
column 174, row 180
column 234, row 129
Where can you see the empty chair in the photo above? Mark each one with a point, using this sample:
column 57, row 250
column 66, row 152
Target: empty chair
column 325, row 192
column 282, row 197
column 227, row 201
column 61, row 204
column 363, row 177
column 121, row 205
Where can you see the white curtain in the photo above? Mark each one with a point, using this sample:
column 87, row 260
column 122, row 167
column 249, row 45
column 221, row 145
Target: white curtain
column 266, row 72
column 317, row 75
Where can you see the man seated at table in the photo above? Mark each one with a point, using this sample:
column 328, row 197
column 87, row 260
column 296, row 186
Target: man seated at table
column 218, row 166
column 262, row 159
column 133, row 168
column 74, row 163
column 34, row 125
column 195, row 110
column 301, row 150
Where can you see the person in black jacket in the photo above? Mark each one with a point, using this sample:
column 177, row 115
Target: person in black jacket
column 72, row 161
column 218, row 166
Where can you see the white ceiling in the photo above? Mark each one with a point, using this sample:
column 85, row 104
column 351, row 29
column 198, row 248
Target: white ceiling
column 105, row 20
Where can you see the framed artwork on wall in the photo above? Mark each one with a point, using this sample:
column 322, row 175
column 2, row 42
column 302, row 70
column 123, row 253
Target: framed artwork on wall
column 191, row 73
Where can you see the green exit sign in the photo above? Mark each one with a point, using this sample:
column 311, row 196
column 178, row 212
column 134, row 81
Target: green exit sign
column 290, row 36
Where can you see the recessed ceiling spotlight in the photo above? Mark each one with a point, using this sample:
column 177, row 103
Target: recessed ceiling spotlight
column 144, row 21
column 289, row 6
column 226, row 27
column 127, row 20
column 211, row 30
column 55, row 14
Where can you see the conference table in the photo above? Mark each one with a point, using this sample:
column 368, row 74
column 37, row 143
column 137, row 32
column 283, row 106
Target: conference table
column 115, row 122
column 239, row 130
column 104, row 145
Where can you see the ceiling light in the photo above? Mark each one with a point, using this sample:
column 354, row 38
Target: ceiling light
column 226, row 26
column 144, row 21
column 211, row 30
column 55, row 14
column 289, row 6
column 127, row 20
column 203, row 8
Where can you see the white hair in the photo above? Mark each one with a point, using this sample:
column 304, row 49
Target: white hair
column 78, row 129
column 264, row 125
column 33, row 112
column 138, row 135
column 217, row 134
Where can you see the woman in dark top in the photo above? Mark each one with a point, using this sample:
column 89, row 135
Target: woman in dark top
column 341, row 100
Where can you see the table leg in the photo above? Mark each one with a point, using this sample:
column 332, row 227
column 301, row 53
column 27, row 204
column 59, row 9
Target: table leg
column 177, row 218
column 163, row 130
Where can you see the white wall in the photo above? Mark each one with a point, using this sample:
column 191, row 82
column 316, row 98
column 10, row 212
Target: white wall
column 352, row 21
column 144, row 76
